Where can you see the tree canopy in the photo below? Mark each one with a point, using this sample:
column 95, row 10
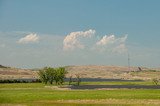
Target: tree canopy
column 49, row 75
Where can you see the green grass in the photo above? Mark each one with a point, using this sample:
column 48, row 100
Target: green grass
column 119, row 83
column 40, row 85
column 26, row 95
column 115, row 83
column 33, row 94
column 21, row 85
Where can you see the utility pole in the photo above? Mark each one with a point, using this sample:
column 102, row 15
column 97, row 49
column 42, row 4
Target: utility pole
column 128, row 62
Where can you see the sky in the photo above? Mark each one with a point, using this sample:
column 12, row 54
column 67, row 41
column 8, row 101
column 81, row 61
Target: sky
column 39, row 33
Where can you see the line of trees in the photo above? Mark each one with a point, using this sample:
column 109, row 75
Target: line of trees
column 19, row 81
column 50, row 75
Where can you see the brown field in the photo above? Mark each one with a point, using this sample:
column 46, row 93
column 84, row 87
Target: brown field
column 90, row 71
column 15, row 73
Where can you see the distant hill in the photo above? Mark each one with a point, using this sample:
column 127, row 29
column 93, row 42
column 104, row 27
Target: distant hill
column 1, row 66
column 111, row 72
column 16, row 73
column 88, row 71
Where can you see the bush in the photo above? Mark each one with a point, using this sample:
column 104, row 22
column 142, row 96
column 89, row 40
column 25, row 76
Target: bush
column 60, row 75
column 19, row 81
column 155, row 81
column 48, row 75
column 44, row 75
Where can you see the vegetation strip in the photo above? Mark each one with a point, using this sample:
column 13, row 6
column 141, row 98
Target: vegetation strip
column 31, row 94
column 105, row 101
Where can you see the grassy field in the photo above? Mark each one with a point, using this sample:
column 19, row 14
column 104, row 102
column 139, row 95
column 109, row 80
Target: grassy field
column 36, row 94
column 119, row 83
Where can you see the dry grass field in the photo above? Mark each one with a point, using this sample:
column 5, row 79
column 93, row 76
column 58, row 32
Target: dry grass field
column 90, row 71
column 15, row 73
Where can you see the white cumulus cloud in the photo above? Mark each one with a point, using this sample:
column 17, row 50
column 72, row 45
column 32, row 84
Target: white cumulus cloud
column 31, row 38
column 106, row 40
column 112, row 43
column 72, row 40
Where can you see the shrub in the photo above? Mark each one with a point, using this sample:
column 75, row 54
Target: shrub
column 155, row 81
column 19, row 81
column 49, row 74
column 43, row 76
column 60, row 75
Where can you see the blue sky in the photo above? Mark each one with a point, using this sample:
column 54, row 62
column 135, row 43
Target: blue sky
column 38, row 33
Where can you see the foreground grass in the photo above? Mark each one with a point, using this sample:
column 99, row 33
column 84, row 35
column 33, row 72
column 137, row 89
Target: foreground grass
column 40, row 85
column 36, row 94
column 119, row 83
column 21, row 85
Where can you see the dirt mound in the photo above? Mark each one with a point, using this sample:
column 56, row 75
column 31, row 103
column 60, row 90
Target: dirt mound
column 94, row 71
column 15, row 73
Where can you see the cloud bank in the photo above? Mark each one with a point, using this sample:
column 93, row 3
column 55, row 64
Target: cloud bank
column 110, row 43
column 31, row 38
column 72, row 40
column 111, row 39
column 81, row 40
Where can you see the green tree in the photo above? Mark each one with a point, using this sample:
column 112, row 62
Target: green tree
column 70, row 80
column 60, row 75
column 48, row 75
column 155, row 81
column 78, row 79
column 43, row 76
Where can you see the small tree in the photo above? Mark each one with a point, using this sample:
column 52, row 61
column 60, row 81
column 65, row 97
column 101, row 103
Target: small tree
column 43, row 76
column 63, row 72
column 70, row 80
column 78, row 79
column 49, row 74
column 60, row 75
column 155, row 81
